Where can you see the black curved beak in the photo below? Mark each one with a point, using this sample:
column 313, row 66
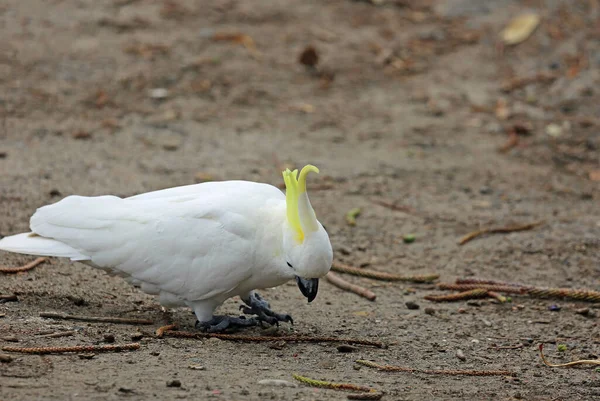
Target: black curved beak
column 308, row 287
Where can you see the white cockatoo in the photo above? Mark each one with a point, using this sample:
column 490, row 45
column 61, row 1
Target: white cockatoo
column 194, row 245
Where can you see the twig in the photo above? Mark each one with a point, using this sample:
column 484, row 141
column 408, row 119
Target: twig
column 461, row 296
column 393, row 206
column 518, row 83
column 485, row 281
column 535, row 292
column 369, row 393
column 451, row 372
column 501, row 298
column 488, row 287
column 518, row 346
column 79, row 348
column 160, row 332
column 24, row 268
column 498, row 230
column 574, row 363
column 59, row 334
column 344, row 285
column 344, row 268
column 118, row 320
column 8, row 298
column 236, row 337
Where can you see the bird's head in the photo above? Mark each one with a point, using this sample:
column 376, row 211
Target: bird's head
column 306, row 243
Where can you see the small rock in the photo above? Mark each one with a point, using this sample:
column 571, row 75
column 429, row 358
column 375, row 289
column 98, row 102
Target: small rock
column 54, row 192
column 158, row 93
column 5, row 358
column 485, row 190
column 11, row 339
column 486, row 322
column 429, row 311
column 474, row 303
column 81, row 134
column 126, row 390
column 346, row 348
column 109, row 338
column 137, row 336
column 461, row 355
column 554, row 308
column 3, row 154
column 277, row 383
column 174, row 383
column 462, row 310
column 554, row 130
column 196, row 367
column 412, row 305
column 155, row 353
column 86, row 356
column 587, row 312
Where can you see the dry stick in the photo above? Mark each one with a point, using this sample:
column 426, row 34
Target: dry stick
column 59, row 334
column 236, row 337
column 461, row 296
column 118, row 320
column 393, row 206
column 344, row 285
column 160, row 332
column 574, row 363
column 8, row 298
column 451, row 372
column 79, row 348
column 498, row 230
column 344, row 268
column 536, row 292
column 370, row 393
column 487, row 287
column 28, row 266
column 490, row 282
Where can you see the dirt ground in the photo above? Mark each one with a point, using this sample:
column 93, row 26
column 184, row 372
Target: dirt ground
column 413, row 103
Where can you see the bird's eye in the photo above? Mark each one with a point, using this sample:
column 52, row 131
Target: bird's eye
column 289, row 264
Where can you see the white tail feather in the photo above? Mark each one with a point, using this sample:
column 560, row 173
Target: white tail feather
column 33, row 244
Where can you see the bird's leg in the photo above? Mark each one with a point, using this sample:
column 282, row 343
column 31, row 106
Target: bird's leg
column 257, row 305
column 221, row 323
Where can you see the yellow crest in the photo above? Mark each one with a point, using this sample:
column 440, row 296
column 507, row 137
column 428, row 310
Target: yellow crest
column 294, row 187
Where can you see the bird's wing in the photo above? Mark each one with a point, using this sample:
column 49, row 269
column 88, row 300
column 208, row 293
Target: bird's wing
column 194, row 243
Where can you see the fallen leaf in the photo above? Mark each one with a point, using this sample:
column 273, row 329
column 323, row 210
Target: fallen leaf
column 351, row 216
column 520, row 28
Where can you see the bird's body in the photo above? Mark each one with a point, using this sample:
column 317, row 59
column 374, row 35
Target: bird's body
column 195, row 245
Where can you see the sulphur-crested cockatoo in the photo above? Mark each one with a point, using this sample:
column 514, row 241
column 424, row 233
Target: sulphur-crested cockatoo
column 195, row 245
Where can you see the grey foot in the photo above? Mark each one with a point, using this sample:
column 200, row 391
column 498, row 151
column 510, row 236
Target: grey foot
column 257, row 305
column 221, row 323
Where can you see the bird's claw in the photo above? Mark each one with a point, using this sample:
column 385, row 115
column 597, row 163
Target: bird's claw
column 221, row 323
column 256, row 305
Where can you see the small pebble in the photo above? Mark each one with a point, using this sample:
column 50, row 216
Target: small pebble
column 487, row 322
column 137, row 336
column 554, row 308
column 125, row 390
column 11, row 339
column 277, row 383
column 346, row 348
column 430, row 311
column 461, row 355
column 474, row 303
column 109, row 338
column 462, row 310
column 412, row 305
column 196, row 367
column 158, row 93
column 587, row 312
column 174, row 383
column 155, row 353
column 86, row 356
column 5, row 358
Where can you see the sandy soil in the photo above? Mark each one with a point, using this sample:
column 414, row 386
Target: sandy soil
column 407, row 104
